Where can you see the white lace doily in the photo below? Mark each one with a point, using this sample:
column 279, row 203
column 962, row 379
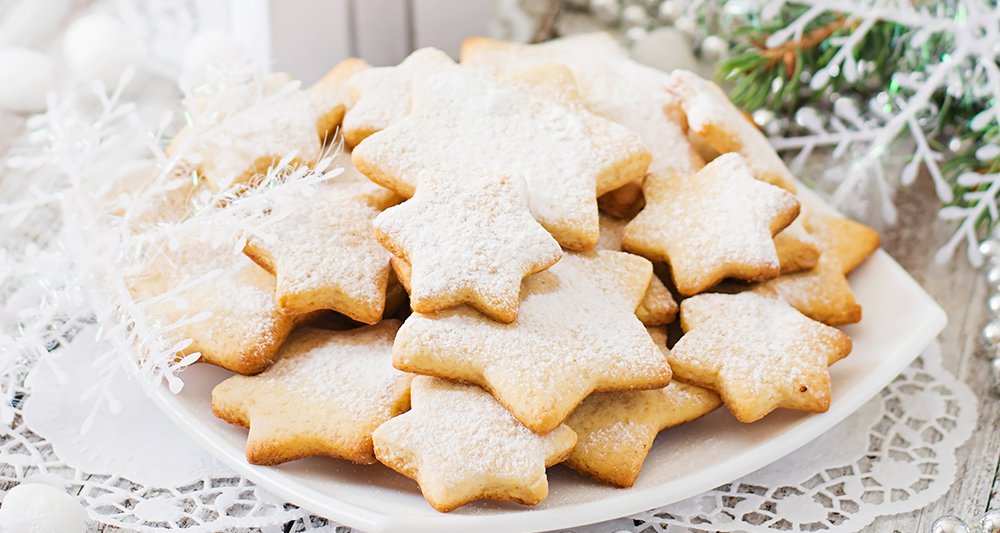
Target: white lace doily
column 894, row 455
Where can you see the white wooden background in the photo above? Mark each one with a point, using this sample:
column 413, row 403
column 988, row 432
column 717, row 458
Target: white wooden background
column 308, row 37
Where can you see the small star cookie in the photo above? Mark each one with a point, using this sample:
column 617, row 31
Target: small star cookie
column 823, row 293
column 257, row 125
column 615, row 430
column 324, row 254
column 460, row 445
column 529, row 124
column 468, row 240
column 714, row 118
column 325, row 394
column 717, row 223
column 576, row 332
column 382, row 94
column 246, row 326
column 757, row 352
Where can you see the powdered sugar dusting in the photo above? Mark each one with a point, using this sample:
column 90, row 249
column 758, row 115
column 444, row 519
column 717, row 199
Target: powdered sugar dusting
column 471, row 235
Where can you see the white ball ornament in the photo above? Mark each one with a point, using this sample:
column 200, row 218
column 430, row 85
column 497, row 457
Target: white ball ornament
column 714, row 47
column 100, row 47
column 26, row 76
column 949, row 524
column 34, row 508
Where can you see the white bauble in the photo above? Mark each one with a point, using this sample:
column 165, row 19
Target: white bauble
column 34, row 508
column 100, row 47
column 26, row 76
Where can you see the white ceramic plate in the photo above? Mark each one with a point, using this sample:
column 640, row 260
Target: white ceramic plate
column 899, row 320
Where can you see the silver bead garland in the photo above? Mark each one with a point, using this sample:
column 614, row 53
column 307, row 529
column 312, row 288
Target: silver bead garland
column 990, row 334
column 988, row 523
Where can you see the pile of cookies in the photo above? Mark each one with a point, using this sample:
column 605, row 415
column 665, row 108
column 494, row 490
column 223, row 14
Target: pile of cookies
column 456, row 306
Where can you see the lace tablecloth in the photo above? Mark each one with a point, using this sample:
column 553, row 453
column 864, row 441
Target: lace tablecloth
column 894, row 455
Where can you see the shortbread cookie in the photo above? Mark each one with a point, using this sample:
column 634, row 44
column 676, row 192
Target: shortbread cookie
column 251, row 129
column 468, row 241
column 823, row 293
column 460, row 445
column 615, row 430
column 613, row 86
column 714, row 118
column 246, row 326
column 757, row 352
column 797, row 250
column 576, row 332
column 382, row 94
column 325, row 394
column 714, row 224
column 324, row 254
column 529, row 124
column 658, row 306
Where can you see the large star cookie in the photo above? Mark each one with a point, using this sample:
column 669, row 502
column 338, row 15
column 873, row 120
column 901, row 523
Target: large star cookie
column 467, row 240
column 714, row 118
column 611, row 84
column 324, row 254
column 576, row 332
column 248, row 130
column 615, row 430
column 529, row 124
column 325, row 395
column 460, row 445
column 717, row 223
column 245, row 327
column 823, row 293
column 757, row 352
column 382, row 94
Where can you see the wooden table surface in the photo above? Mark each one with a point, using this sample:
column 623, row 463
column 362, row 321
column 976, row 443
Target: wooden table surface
column 961, row 290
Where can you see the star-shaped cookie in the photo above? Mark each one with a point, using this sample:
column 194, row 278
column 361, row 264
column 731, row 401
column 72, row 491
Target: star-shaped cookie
column 245, row 327
column 248, row 130
column 468, row 240
column 823, row 293
column 460, row 445
column 324, row 254
column 717, row 223
column 529, row 124
column 714, row 118
column 325, row 394
column 382, row 94
column 757, row 352
column 615, row 430
column 576, row 332
column 611, row 85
